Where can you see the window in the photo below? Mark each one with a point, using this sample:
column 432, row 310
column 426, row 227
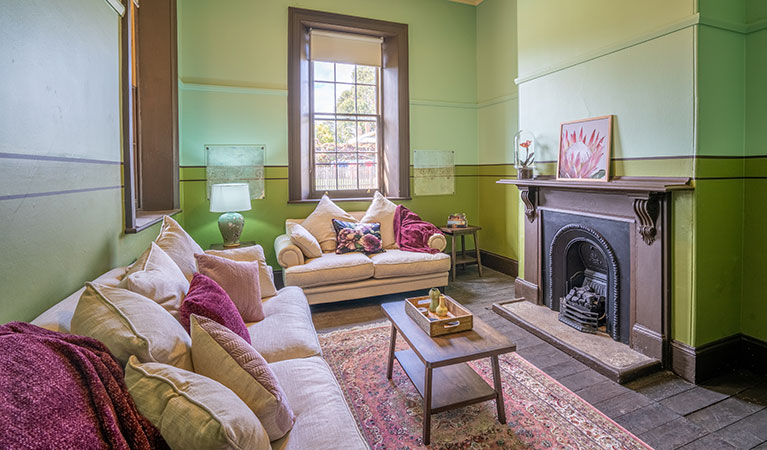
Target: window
column 347, row 106
column 150, row 118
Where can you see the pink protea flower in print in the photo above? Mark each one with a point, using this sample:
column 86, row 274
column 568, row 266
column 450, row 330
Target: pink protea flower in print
column 582, row 154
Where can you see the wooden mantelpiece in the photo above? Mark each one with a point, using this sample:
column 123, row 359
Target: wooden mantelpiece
column 643, row 203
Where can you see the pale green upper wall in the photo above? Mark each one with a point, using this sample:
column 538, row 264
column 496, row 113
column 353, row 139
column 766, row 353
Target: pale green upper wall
column 496, row 49
column 555, row 31
column 233, row 69
column 60, row 97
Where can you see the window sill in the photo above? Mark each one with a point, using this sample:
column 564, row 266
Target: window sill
column 145, row 219
column 336, row 200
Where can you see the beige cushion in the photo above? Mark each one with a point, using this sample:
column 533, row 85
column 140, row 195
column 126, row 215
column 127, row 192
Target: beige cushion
column 323, row 419
column 330, row 268
column 399, row 263
column 381, row 210
column 303, row 240
column 157, row 277
column 319, row 223
column 287, row 331
column 221, row 355
column 192, row 411
column 252, row 253
column 131, row 324
column 179, row 246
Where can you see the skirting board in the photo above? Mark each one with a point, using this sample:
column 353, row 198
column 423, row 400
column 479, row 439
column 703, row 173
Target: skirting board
column 499, row 263
column 697, row 364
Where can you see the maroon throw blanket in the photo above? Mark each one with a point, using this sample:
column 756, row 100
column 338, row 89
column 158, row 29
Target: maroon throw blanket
column 411, row 233
column 65, row 392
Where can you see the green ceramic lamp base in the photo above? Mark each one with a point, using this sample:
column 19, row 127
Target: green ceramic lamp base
column 230, row 224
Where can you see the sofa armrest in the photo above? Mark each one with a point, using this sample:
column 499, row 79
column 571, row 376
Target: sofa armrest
column 288, row 254
column 437, row 241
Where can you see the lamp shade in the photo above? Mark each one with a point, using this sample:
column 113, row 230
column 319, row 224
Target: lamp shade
column 229, row 197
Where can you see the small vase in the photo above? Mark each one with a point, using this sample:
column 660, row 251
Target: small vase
column 434, row 295
column 524, row 173
column 442, row 308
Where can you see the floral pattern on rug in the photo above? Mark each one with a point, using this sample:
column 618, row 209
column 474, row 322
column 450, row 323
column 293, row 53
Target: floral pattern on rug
column 540, row 412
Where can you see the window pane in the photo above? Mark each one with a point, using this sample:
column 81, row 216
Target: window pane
column 366, row 100
column 324, row 136
column 367, row 138
column 325, row 158
column 323, row 97
column 325, row 179
column 345, row 98
column 347, row 136
column 347, row 176
column 367, row 158
column 345, row 73
column 366, row 74
column 323, row 71
column 368, row 176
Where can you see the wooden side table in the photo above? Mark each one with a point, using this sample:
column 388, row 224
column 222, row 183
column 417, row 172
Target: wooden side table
column 463, row 259
column 221, row 246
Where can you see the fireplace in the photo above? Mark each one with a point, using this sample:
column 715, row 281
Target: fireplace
column 585, row 267
column 598, row 254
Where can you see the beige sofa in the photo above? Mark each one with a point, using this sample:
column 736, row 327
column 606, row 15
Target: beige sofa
column 333, row 277
column 286, row 338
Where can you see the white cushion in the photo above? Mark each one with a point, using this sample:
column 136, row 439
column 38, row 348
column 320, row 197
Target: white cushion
column 131, row 324
column 399, row 263
column 249, row 254
column 157, row 277
column 303, row 240
column 179, row 246
column 287, row 330
column 323, row 419
column 320, row 222
column 381, row 210
column 192, row 411
column 330, row 268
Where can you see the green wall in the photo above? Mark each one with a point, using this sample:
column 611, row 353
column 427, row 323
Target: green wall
column 233, row 90
column 59, row 132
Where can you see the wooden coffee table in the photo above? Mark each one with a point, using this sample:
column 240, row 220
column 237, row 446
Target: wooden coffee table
column 437, row 366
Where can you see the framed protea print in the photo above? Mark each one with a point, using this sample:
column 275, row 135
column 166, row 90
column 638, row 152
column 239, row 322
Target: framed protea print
column 584, row 149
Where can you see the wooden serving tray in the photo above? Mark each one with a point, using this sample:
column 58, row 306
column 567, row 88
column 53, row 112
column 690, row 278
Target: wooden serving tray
column 458, row 318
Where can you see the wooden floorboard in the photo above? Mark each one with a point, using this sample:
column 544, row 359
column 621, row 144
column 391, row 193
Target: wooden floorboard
column 662, row 409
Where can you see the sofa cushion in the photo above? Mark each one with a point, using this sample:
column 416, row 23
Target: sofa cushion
column 157, row 277
column 252, row 253
column 223, row 356
column 179, row 246
column 239, row 279
column 357, row 237
column 304, row 240
column 192, row 411
column 319, row 225
column 323, row 419
column 131, row 324
column 381, row 210
column 330, row 268
column 400, row 263
column 287, row 330
column 206, row 298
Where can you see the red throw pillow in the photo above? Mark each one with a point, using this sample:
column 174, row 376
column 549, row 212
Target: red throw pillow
column 206, row 298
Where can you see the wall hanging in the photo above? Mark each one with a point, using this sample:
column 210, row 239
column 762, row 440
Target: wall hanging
column 433, row 172
column 236, row 164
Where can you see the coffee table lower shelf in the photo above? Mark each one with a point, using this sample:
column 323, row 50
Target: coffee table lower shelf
column 452, row 387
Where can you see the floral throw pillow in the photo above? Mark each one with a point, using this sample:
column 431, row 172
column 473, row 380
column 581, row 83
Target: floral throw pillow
column 357, row 237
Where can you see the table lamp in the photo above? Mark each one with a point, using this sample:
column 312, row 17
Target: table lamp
column 229, row 198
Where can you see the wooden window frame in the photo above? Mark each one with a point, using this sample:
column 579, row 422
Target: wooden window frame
column 150, row 113
column 394, row 102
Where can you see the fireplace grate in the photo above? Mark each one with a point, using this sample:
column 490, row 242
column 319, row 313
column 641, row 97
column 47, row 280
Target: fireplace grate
column 583, row 308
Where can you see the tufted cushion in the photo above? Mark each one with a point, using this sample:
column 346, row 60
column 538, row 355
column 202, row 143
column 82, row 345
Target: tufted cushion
column 399, row 263
column 330, row 268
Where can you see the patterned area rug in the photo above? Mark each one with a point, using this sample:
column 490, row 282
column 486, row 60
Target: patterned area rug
column 541, row 413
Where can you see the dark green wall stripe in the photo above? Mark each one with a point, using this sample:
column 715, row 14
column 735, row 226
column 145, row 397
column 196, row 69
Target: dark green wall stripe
column 57, row 158
column 47, row 194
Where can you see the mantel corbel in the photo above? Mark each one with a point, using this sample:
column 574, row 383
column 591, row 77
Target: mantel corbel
column 646, row 210
column 529, row 196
